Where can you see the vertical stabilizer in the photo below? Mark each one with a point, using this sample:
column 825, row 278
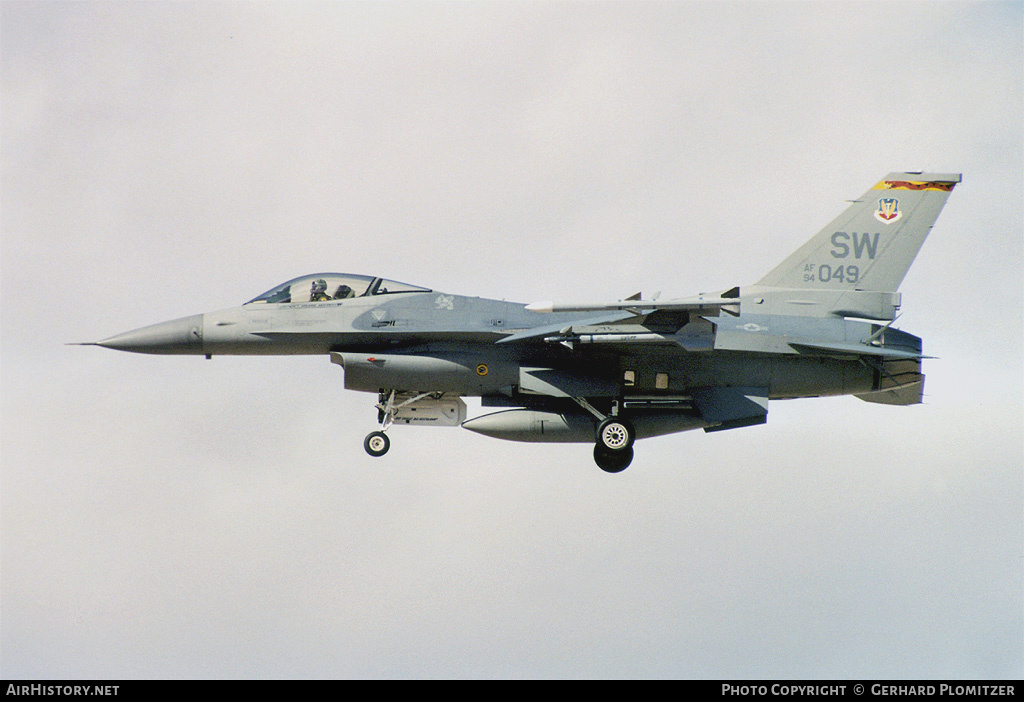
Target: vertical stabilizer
column 871, row 245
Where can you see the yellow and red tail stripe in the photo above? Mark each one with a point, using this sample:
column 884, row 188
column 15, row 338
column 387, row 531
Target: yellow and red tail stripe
column 914, row 185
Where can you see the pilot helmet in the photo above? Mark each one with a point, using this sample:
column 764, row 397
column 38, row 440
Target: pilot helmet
column 319, row 286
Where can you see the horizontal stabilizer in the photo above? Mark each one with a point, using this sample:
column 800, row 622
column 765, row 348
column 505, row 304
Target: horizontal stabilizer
column 909, row 394
column 848, row 348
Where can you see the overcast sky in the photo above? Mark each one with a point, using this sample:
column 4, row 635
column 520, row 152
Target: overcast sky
column 179, row 518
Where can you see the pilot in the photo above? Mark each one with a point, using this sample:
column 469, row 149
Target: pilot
column 318, row 293
column 343, row 292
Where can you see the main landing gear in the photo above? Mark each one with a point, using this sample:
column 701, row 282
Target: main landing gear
column 613, row 450
column 613, row 447
column 612, row 462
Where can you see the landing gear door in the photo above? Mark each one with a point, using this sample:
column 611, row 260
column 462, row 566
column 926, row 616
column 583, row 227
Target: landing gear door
column 430, row 411
column 730, row 408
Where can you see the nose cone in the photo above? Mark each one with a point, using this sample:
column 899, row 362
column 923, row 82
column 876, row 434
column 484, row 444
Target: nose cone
column 179, row 336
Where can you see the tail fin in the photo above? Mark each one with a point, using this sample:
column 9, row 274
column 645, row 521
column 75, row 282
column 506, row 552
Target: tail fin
column 871, row 245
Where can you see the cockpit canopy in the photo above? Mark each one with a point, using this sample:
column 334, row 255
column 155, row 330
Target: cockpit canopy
column 324, row 287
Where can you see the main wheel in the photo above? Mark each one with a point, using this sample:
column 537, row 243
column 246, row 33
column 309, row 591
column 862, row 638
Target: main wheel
column 376, row 443
column 614, row 435
column 612, row 462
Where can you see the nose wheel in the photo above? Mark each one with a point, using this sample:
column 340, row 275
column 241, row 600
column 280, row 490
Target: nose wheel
column 376, row 443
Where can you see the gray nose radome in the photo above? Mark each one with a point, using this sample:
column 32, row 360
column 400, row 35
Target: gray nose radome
column 178, row 336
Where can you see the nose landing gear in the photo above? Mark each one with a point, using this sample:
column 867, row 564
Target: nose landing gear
column 406, row 407
column 377, row 443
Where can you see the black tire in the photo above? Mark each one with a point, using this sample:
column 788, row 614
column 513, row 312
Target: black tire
column 612, row 462
column 615, row 435
column 376, row 443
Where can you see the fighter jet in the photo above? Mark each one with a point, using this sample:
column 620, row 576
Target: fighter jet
column 606, row 373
